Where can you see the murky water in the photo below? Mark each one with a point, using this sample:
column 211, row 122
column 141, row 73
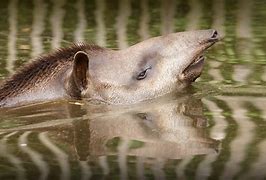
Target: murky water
column 215, row 131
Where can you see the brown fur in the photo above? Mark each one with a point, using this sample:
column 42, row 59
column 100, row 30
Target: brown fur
column 41, row 70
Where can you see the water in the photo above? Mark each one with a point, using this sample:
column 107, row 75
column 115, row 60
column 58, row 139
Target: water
column 214, row 131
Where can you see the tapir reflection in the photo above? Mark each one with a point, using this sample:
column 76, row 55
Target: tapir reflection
column 170, row 127
column 163, row 128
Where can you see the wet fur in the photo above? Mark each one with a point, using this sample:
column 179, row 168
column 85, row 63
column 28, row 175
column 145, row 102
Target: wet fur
column 94, row 73
column 41, row 70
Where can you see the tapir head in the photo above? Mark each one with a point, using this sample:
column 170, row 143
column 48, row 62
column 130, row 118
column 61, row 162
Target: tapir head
column 144, row 71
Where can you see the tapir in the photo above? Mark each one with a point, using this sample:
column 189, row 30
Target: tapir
column 146, row 70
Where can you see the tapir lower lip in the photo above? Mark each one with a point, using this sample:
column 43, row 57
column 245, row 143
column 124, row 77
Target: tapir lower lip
column 197, row 60
column 194, row 69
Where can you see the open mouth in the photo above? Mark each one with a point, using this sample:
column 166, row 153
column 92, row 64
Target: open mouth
column 197, row 61
column 194, row 69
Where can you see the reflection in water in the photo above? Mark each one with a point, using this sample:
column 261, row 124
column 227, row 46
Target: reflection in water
column 38, row 27
column 162, row 140
column 257, row 170
column 12, row 19
column 218, row 24
column 217, row 132
column 140, row 167
column 260, row 104
column 82, row 23
column 264, row 75
column 181, row 168
column 99, row 17
column 215, row 72
column 158, row 169
column 243, row 28
column 61, row 157
column 245, row 46
column 104, row 165
column 121, row 23
column 167, row 15
column 194, row 15
column 36, row 157
column 257, row 167
column 122, row 150
column 241, row 73
column 85, row 170
column 165, row 129
column 219, row 16
column 56, row 21
column 15, row 161
column 144, row 21
column 240, row 143
column 159, row 125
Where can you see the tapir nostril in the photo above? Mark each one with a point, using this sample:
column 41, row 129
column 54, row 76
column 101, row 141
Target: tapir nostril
column 214, row 35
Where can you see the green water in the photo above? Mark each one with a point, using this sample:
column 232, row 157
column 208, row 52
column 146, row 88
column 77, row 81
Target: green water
column 217, row 130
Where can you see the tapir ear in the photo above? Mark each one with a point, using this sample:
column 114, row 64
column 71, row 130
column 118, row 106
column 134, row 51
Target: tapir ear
column 80, row 70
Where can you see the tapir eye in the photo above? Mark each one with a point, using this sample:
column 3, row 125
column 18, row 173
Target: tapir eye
column 142, row 74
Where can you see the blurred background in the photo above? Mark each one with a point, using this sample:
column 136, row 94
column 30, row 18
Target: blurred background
column 217, row 132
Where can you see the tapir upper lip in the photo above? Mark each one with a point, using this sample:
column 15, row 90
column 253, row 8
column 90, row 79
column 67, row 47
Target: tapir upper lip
column 204, row 45
column 200, row 53
column 208, row 43
column 197, row 62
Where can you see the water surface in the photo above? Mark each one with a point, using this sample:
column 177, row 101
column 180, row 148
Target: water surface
column 216, row 130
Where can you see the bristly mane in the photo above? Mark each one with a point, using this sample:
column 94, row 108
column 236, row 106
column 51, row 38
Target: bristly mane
column 41, row 69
